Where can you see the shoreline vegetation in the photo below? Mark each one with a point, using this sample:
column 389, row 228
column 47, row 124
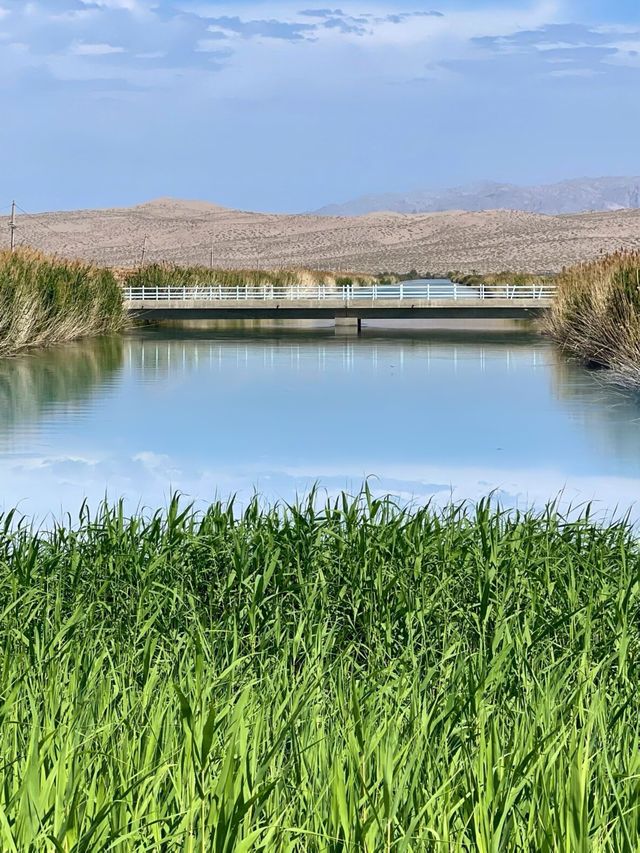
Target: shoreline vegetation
column 46, row 301
column 163, row 275
column 356, row 676
column 515, row 279
column 596, row 315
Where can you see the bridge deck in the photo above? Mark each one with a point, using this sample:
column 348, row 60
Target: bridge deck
column 362, row 309
column 376, row 302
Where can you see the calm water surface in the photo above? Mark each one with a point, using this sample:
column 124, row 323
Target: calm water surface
column 423, row 413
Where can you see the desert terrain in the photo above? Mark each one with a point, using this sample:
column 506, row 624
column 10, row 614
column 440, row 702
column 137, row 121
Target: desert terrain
column 183, row 232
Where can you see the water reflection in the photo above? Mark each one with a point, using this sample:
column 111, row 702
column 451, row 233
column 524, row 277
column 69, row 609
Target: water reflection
column 40, row 382
column 211, row 413
column 166, row 351
column 609, row 416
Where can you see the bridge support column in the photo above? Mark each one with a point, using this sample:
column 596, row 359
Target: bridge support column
column 348, row 325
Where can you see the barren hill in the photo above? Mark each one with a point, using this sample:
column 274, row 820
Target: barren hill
column 194, row 232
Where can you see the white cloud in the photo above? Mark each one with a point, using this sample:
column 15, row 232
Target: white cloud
column 252, row 50
column 80, row 48
column 207, row 45
column 627, row 54
column 388, row 52
column 560, row 45
column 575, row 72
column 129, row 5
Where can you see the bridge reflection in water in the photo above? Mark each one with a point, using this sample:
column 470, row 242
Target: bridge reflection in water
column 214, row 352
column 210, row 412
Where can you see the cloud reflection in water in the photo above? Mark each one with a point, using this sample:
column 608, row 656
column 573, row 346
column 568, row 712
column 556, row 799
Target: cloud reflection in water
column 426, row 416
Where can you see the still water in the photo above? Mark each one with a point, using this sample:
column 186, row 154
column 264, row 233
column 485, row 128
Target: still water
column 424, row 414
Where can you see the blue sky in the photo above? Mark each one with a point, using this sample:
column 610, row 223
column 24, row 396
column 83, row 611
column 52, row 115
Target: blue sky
column 289, row 105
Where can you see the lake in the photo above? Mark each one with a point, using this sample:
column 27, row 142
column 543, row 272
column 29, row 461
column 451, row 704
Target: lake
column 424, row 414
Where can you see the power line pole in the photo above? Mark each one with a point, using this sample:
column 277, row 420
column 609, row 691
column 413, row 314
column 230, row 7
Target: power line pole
column 144, row 252
column 12, row 227
column 211, row 258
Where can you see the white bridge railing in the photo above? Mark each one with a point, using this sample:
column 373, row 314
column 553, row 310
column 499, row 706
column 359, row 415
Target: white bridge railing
column 350, row 293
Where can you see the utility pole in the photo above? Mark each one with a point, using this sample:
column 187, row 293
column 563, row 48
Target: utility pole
column 211, row 258
column 144, row 251
column 12, row 227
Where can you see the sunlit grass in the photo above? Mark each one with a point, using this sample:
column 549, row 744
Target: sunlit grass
column 165, row 275
column 48, row 300
column 349, row 678
column 597, row 313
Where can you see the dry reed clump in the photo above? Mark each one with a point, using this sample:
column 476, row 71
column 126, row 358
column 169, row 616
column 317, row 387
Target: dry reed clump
column 596, row 314
column 517, row 279
column 48, row 300
column 164, row 275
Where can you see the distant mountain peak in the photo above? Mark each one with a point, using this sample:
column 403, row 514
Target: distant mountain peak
column 577, row 195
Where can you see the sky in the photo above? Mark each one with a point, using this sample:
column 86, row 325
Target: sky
column 293, row 104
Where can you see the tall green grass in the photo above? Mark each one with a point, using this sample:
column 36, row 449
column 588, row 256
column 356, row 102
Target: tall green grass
column 596, row 314
column 349, row 678
column 48, row 300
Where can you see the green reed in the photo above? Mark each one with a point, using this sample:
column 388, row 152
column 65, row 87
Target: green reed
column 347, row 677
column 48, row 300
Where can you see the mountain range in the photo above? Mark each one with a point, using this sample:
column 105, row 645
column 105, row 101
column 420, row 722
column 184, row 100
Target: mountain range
column 198, row 233
column 575, row 196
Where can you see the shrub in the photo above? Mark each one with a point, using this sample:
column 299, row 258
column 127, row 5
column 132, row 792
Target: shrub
column 596, row 314
column 47, row 300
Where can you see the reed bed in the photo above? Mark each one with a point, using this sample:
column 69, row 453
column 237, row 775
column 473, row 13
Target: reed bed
column 47, row 300
column 516, row 279
column 596, row 314
column 347, row 677
column 163, row 275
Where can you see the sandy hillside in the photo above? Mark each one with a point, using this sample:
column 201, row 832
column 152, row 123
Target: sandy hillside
column 188, row 232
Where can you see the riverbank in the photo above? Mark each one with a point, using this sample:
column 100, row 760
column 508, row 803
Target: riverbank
column 352, row 677
column 45, row 301
column 596, row 315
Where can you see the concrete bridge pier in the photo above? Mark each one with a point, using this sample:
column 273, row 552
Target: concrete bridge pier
column 348, row 325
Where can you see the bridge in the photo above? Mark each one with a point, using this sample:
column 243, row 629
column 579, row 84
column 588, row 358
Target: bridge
column 347, row 306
